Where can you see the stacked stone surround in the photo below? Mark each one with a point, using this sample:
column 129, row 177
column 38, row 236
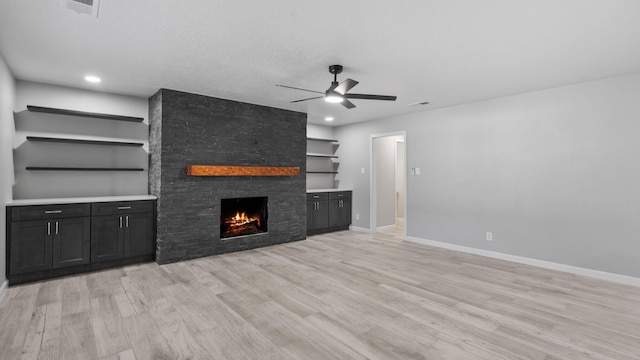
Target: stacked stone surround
column 200, row 130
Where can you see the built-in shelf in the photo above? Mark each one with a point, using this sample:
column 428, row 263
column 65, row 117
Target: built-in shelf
column 319, row 139
column 83, row 141
column 62, row 168
column 49, row 110
column 321, row 155
column 322, row 172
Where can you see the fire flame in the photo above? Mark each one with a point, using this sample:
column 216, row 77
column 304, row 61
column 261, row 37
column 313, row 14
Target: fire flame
column 242, row 218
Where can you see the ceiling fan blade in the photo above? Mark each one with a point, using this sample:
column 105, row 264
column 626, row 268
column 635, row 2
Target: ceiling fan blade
column 317, row 97
column 295, row 88
column 370, row 97
column 345, row 86
column 348, row 104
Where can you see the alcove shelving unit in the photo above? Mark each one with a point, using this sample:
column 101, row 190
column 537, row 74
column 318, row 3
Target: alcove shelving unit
column 83, row 141
column 321, row 160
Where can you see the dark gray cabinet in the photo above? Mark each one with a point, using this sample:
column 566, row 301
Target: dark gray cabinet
column 317, row 212
column 121, row 230
column 55, row 240
column 71, row 242
column 30, row 247
column 328, row 211
column 48, row 237
column 340, row 209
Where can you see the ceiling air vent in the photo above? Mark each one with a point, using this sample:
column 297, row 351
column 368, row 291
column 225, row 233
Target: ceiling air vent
column 87, row 7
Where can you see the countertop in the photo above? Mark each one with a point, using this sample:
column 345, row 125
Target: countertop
column 78, row 200
column 311, row 191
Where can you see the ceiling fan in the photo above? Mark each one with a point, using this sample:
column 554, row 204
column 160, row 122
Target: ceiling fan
column 338, row 92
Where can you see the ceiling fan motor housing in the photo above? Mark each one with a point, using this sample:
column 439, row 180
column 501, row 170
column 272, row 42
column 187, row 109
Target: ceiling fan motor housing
column 335, row 69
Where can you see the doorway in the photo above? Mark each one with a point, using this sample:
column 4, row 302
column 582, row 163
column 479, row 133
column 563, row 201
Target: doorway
column 388, row 182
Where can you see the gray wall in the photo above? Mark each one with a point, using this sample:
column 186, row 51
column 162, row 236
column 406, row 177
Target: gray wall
column 7, row 95
column 53, row 184
column 553, row 174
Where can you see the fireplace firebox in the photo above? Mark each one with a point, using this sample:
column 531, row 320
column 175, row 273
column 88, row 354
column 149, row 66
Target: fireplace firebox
column 243, row 216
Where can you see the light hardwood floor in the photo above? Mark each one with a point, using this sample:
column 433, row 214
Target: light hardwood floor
column 343, row 295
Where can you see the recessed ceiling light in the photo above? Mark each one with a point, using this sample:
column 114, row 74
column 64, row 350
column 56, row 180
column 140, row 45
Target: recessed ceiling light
column 92, row 79
column 328, row 118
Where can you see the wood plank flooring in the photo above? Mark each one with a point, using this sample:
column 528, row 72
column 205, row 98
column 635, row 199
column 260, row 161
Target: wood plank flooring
column 343, row 295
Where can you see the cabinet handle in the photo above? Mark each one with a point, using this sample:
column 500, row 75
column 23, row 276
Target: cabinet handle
column 127, row 221
column 57, row 228
column 48, row 227
column 124, row 207
column 316, row 196
column 53, row 211
column 120, row 222
column 318, row 205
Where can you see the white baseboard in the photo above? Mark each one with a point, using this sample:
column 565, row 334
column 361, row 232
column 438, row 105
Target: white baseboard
column 602, row 275
column 387, row 227
column 359, row 229
column 3, row 288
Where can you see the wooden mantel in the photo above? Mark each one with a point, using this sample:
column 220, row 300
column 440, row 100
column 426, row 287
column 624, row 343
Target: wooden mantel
column 218, row 170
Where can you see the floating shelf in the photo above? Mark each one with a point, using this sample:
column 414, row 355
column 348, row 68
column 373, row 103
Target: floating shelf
column 61, row 168
column 49, row 110
column 321, row 155
column 83, row 141
column 319, row 139
column 322, row 172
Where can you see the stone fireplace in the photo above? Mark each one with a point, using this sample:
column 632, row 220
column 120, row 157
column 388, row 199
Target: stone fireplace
column 188, row 129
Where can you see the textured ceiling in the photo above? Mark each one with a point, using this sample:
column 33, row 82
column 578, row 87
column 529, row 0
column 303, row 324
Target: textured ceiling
column 444, row 52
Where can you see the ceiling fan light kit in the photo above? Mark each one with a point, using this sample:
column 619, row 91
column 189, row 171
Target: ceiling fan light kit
column 338, row 92
column 333, row 97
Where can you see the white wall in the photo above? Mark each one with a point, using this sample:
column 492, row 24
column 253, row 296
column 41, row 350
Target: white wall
column 7, row 97
column 53, row 184
column 554, row 174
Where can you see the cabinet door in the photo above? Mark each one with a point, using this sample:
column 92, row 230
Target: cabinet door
column 339, row 212
column 334, row 213
column 345, row 213
column 311, row 215
column 139, row 239
column 30, row 246
column 107, row 238
column 71, row 242
column 322, row 214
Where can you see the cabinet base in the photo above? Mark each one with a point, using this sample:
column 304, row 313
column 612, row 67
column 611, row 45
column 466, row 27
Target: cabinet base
column 73, row 270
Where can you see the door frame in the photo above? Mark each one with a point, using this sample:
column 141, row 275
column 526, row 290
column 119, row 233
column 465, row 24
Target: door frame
column 372, row 191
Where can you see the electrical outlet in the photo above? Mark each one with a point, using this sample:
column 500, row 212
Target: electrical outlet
column 489, row 236
column 357, row 216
